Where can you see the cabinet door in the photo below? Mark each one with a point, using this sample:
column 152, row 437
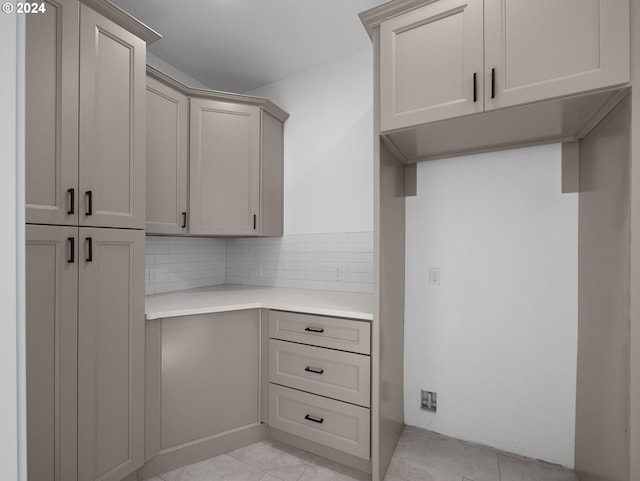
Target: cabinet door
column 166, row 166
column 110, row 354
column 213, row 386
column 431, row 64
column 112, row 124
column 51, row 103
column 51, row 340
column 224, row 165
column 546, row 48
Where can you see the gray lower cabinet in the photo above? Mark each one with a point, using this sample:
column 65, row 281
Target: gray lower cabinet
column 110, row 353
column 85, row 352
column 203, row 387
column 318, row 390
column 51, row 344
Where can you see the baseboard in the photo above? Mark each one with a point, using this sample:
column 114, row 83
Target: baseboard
column 322, row 450
column 194, row 452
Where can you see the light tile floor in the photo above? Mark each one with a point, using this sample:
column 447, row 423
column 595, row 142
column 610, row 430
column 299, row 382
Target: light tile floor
column 420, row 456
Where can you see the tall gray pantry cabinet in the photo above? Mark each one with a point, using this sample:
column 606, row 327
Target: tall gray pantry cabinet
column 85, row 216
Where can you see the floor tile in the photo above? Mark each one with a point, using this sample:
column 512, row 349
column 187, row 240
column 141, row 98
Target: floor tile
column 517, row 469
column 284, row 462
column 324, row 470
column 447, row 455
column 413, row 469
column 220, row 468
column 268, row 477
column 391, row 477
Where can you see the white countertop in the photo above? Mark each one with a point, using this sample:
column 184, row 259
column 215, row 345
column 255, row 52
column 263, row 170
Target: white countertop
column 228, row 297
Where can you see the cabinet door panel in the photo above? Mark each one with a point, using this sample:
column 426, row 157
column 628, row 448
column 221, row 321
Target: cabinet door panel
column 224, row 168
column 210, row 376
column 546, row 49
column 51, row 340
column 166, row 164
column 51, row 102
column 428, row 58
column 112, row 123
column 110, row 354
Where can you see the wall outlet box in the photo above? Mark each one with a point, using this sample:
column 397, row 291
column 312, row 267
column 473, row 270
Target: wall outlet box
column 429, row 401
column 434, row 276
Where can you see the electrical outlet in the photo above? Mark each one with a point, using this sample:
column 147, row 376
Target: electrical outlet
column 434, row 276
column 429, row 401
column 338, row 273
column 258, row 269
column 153, row 275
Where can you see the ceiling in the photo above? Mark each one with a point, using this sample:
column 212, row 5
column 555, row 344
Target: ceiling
column 239, row 45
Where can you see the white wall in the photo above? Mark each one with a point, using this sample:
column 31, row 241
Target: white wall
column 328, row 170
column 171, row 71
column 497, row 339
column 10, row 206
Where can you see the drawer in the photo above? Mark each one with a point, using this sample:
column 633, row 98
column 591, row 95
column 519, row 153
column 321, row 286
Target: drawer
column 339, row 425
column 333, row 332
column 336, row 374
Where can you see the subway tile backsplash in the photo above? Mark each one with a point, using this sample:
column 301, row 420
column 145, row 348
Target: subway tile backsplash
column 176, row 263
column 337, row 261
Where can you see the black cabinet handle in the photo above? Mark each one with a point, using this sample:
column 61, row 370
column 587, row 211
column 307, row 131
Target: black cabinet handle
column 72, row 201
column 475, row 87
column 254, row 221
column 314, row 329
column 89, row 249
column 315, row 419
column 184, row 220
column 72, row 250
column 315, row 370
column 493, row 83
column 89, row 195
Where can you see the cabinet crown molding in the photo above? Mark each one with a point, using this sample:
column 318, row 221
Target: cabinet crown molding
column 260, row 102
column 125, row 20
column 372, row 18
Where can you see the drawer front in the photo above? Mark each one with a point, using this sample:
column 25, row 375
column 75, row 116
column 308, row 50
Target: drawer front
column 339, row 425
column 335, row 374
column 333, row 332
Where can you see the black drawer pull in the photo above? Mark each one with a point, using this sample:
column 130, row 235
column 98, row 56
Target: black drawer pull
column 493, row 83
column 89, row 195
column 314, row 329
column 184, row 220
column 89, row 249
column 315, row 370
column 309, row 417
column 72, row 250
column 475, row 87
column 72, row 201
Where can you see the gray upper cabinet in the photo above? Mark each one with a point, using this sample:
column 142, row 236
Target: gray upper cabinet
column 166, row 166
column 110, row 353
column 235, row 149
column 84, row 119
column 51, row 337
column 431, row 63
column 51, row 143
column 112, row 124
column 225, row 168
column 449, row 58
column 546, row 49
